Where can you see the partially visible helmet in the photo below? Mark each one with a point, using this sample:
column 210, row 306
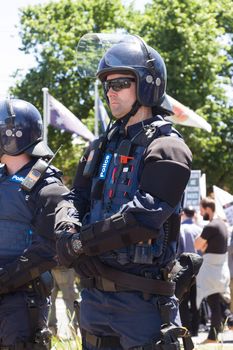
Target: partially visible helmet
column 21, row 129
column 144, row 63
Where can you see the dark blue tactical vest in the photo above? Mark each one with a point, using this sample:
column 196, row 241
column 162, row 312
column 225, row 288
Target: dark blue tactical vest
column 16, row 231
column 117, row 181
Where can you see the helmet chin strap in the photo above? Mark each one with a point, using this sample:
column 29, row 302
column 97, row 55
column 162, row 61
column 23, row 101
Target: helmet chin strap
column 124, row 120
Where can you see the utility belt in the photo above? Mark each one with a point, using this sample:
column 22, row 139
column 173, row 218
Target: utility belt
column 109, row 279
column 134, row 283
column 183, row 272
column 178, row 277
column 41, row 285
column 27, row 346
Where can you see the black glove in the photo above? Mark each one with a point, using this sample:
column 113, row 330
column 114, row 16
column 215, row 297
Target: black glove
column 69, row 247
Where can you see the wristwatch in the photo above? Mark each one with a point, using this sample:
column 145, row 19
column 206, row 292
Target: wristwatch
column 76, row 245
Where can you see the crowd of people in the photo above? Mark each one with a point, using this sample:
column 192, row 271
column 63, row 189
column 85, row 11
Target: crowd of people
column 210, row 238
column 117, row 229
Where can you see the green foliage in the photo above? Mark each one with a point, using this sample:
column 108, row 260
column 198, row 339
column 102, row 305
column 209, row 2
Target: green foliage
column 66, row 344
column 189, row 34
column 51, row 33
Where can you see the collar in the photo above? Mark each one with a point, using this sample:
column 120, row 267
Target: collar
column 187, row 221
column 132, row 130
column 4, row 172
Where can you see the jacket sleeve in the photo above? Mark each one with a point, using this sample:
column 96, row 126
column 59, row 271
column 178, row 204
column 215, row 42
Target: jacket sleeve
column 40, row 256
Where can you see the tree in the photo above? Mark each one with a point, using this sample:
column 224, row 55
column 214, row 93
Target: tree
column 191, row 36
column 51, row 33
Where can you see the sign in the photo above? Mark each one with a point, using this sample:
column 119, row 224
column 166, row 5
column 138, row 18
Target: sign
column 228, row 209
column 192, row 195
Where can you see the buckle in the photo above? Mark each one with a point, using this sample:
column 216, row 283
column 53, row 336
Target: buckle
column 118, row 221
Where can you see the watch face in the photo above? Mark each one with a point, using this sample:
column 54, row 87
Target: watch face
column 77, row 245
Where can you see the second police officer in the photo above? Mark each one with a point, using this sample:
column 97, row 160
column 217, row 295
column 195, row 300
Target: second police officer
column 128, row 191
column 30, row 190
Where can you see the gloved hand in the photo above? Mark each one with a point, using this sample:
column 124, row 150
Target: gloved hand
column 69, row 247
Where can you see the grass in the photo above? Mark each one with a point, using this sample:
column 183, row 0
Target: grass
column 75, row 344
column 66, row 344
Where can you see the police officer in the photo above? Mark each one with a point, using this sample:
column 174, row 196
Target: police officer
column 128, row 191
column 30, row 189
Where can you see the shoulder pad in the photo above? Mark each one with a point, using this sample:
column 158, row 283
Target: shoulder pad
column 176, row 133
column 51, row 175
column 53, row 171
column 152, row 131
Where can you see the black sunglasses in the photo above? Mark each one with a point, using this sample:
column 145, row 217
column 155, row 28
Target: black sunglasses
column 118, row 84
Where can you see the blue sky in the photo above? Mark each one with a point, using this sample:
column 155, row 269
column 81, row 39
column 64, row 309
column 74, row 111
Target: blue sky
column 11, row 57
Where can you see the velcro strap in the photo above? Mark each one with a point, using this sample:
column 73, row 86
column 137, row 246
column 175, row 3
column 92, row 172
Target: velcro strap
column 100, row 342
column 133, row 282
column 114, row 233
column 101, row 228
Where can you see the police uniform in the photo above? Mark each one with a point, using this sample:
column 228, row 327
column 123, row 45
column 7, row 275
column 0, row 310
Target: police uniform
column 27, row 246
column 128, row 191
column 134, row 316
column 26, row 250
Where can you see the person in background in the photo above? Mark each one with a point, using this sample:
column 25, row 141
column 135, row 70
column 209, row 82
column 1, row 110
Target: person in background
column 189, row 231
column 230, row 262
column 30, row 190
column 213, row 278
column 64, row 281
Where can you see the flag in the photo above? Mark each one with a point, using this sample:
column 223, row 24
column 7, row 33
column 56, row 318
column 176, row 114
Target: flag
column 62, row 118
column 224, row 204
column 102, row 115
column 185, row 116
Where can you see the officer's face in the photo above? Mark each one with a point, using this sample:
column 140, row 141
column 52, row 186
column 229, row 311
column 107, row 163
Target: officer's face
column 121, row 102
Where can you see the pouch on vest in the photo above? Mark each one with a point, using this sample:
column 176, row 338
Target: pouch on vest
column 34, row 175
column 43, row 284
column 94, row 157
column 184, row 273
column 36, row 172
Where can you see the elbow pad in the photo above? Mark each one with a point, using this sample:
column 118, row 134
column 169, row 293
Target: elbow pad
column 166, row 169
column 165, row 179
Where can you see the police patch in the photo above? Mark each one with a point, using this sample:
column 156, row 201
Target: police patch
column 104, row 166
column 17, row 179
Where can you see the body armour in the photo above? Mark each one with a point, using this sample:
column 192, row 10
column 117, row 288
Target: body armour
column 115, row 184
column 17, row 212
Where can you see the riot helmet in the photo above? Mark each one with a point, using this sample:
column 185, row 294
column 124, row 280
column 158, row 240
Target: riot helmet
column 21, row 129
column 100, row 54
column 143, row 62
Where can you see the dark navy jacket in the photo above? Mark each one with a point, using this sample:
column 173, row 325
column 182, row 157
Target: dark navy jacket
column 121, row 194
column 27, row 219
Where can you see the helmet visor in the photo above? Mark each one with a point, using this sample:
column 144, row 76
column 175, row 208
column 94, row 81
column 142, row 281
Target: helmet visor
column 93, row 46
